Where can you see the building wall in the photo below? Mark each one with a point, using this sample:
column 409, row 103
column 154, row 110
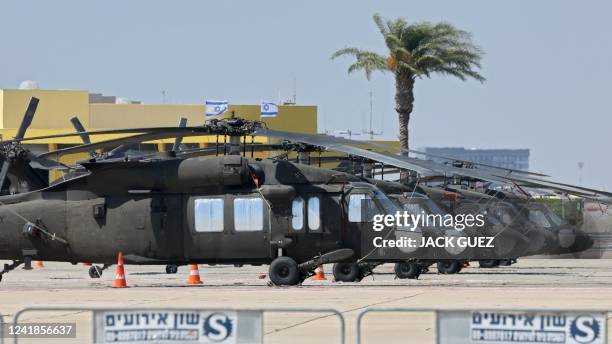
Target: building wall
column 301, row 118
column 55, row 108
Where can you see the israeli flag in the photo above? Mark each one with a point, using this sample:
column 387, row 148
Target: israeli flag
column 269, row 109
column 215, row 107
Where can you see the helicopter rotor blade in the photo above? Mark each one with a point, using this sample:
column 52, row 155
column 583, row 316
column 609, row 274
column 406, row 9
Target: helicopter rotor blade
column 179, row 139
column 421, row 166
column 27, row 118
column 104, row 132
column 115, row 142
column 329, row 143
column 78, row 126
column 3, row 172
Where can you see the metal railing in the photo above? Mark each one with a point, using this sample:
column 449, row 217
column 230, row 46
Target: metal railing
column 1, row 329
column 360, row 316
column 331, row 311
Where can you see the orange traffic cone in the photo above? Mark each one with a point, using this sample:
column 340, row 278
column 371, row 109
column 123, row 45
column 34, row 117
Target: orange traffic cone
column 39, row 264
column 194, row 275
column 120, row 277
column 319, row 273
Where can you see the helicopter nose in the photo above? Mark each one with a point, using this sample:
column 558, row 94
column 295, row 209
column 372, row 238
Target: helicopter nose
column 567, row 237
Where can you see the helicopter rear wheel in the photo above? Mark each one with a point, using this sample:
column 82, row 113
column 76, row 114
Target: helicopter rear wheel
column 95, row 271
column 171, row 269
column 284, row 271
column 488, row 263
column 410, row 270
column 449, row 267
column 346, row 272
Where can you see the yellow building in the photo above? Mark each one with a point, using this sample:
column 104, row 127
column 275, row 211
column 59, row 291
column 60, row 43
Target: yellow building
column 56, row 107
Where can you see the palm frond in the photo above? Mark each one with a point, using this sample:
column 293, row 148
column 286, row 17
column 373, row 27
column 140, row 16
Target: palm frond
column 384, row 30
column 365, row 60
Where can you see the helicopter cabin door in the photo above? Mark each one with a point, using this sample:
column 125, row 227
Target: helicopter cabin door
column 315, row 224
column 230, row 229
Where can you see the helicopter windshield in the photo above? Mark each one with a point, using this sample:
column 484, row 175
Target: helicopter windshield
column 537, row 216
column 543, row 215
column 552, row 215
column 366, row 201
column 385, row 202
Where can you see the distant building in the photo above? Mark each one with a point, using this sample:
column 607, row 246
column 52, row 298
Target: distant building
column 509, row 158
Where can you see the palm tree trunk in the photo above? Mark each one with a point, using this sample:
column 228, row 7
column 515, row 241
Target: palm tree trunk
column 404, row 100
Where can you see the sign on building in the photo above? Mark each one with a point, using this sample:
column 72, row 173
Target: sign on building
column 485, row 327
column 184, row 326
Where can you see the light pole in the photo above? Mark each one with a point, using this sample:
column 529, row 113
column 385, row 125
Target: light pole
column 580, row 166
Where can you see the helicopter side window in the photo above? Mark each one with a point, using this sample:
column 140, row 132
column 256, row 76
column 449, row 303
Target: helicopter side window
column 314, row 213
column 297, row 210
column 248, row 214
column 208, row 214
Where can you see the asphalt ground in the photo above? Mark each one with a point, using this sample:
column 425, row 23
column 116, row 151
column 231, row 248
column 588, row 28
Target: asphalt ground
column 531, row 283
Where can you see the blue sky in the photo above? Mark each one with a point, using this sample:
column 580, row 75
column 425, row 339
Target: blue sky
column 548, row 65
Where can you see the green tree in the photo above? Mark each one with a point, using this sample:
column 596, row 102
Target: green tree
column 415, row 51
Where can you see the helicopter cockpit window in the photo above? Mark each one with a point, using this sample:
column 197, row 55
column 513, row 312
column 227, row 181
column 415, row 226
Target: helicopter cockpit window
column 208, row 213
column 314, row 213
column 538, row 217
column 361, row 208
column 297, row 212
column 248, row 214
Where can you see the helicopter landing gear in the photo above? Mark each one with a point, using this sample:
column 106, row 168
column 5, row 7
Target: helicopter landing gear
column 449, row 267
column 284, row 271
column 9, row 267
column 347, row 272
column 410, row 270
column 488, row 263
column 95, row 271
column 171, row 269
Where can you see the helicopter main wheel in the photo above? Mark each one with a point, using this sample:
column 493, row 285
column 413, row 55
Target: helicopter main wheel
column 410, row 270
column 449, row 267
column 284, row 271
column 95, row 271
column 506, row 262
column 171, row 269
column 346, row 272
column 488, row 263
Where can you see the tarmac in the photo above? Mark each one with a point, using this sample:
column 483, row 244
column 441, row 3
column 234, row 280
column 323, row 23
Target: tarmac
column 531, row 283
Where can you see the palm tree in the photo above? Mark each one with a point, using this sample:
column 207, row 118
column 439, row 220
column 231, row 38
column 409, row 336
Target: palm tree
column 416, row 51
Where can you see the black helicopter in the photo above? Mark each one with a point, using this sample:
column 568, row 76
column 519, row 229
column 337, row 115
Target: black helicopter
column 218, row 210
column 215, row 210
